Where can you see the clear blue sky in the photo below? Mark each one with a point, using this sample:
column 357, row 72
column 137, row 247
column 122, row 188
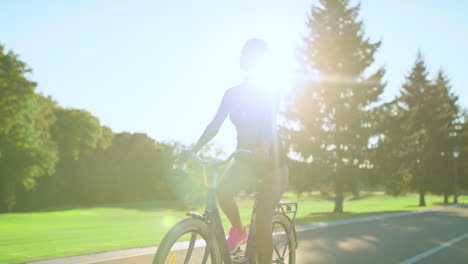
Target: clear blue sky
column 161, row 67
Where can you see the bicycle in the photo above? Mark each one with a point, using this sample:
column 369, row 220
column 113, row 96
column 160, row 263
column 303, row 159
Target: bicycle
column 210, row 229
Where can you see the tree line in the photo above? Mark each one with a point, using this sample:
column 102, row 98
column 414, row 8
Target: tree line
column 53, row 156
column 346, row 138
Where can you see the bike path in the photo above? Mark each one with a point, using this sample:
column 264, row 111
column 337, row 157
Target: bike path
column 392, row 238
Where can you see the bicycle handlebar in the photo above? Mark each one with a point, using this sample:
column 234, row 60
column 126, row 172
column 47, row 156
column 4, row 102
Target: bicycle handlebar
column 217, row 162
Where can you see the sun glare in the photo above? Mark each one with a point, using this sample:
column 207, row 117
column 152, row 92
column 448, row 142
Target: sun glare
column 273, row 75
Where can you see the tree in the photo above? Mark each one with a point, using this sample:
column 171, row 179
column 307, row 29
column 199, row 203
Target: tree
column 135, row 168
column 78, row 135
column 391, row 168
column 413, row 109
column 428, row 112
column 414, row 151
column 461, row 140
column 26, row 149
column 333, row 115
column 442, row 133
column 88, row 171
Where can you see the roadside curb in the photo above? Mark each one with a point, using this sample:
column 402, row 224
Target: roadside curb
column 133, row 252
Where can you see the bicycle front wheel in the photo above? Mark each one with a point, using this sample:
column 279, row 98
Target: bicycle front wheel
column 284, row 240
column 185, row 243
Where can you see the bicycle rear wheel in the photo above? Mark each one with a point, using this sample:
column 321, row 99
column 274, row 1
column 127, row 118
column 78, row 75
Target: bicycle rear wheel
column 284, row 240
column 185, row 243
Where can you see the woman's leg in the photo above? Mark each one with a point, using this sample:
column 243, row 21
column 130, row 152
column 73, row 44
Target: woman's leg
column 272, row 189
column 232, row 182
column 229, row 206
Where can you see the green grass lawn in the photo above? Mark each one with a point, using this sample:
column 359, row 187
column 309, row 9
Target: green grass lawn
column 65, row 232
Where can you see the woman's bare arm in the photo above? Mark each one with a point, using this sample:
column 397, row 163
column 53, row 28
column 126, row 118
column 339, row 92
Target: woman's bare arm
column 213, row 127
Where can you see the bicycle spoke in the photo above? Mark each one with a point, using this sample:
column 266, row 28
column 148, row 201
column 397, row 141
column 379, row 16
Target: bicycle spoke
column 208, row 247
column 285, row 247
column 190, row 247
column 281, row 245
column 277, row 251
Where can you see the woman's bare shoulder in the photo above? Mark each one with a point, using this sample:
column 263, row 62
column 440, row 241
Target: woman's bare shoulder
column 232, row 93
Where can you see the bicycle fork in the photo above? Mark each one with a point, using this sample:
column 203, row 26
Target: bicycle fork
column 212, row 215
column 216, row 226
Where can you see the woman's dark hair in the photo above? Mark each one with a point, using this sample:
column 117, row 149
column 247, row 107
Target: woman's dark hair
column 252, row 52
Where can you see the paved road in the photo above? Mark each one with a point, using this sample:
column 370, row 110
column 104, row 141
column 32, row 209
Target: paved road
column 432, row 237
column 391, row 240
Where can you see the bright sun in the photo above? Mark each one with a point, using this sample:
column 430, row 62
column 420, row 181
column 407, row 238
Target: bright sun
column 273, row 74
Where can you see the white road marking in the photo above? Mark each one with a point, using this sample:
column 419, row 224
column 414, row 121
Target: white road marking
column 434, row 250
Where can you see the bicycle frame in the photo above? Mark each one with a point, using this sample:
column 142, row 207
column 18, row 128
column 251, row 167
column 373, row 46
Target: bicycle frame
column 212, row 217
column 216, row 226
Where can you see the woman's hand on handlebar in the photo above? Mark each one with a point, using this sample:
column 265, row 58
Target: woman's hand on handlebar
column 183, row 157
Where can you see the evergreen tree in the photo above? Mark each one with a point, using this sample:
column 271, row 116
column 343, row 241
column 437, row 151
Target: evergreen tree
column 415, row 115
column 461, row 140
column 428, row 113
column 389, row 156
column 333, row 116
column 441, row 131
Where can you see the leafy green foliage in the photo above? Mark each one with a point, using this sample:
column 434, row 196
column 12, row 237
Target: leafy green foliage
column 26, row 149
column 135, row 168
column 78, row 135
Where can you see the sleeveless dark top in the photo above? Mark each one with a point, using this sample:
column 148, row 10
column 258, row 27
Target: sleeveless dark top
column 253, row 113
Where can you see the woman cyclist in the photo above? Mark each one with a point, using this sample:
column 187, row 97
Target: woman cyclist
column 252, row 109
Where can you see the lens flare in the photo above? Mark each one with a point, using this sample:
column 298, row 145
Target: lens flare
column 271, row 77
column 168, row 221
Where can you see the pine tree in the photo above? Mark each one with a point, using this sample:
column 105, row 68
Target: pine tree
column 428, row 112
column 462, row 141
column 391, row 167
column 333, row 116
column 415, row 116
column 441, row 131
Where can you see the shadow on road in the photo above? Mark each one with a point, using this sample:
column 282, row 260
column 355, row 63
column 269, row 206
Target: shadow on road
column 389, row 240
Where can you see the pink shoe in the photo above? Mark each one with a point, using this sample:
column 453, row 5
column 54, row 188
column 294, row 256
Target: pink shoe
column 236, row 239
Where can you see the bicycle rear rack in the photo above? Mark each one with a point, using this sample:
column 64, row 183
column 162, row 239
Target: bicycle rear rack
column 288, row 208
